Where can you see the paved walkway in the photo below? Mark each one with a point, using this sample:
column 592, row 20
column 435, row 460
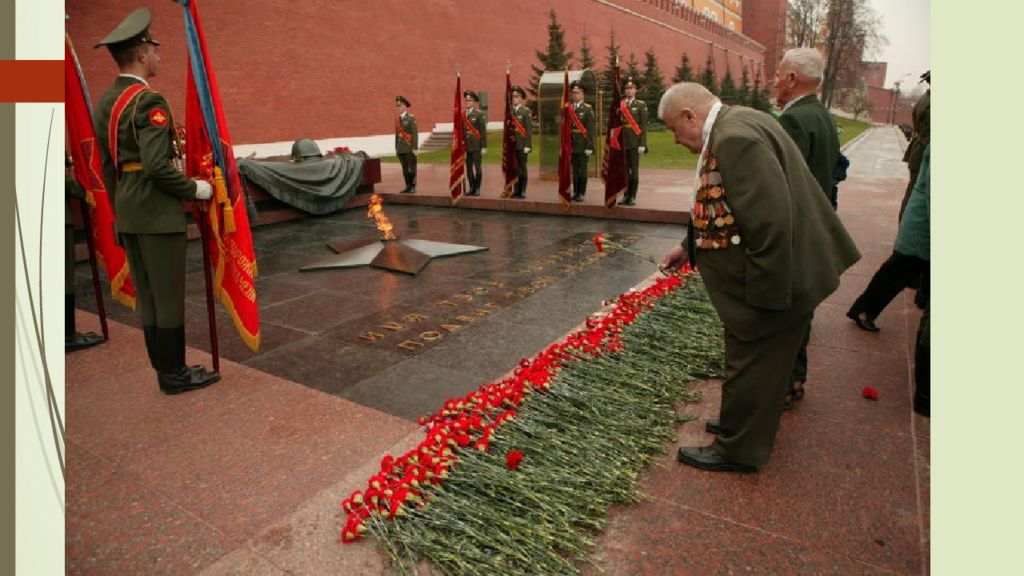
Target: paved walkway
column 246, row 476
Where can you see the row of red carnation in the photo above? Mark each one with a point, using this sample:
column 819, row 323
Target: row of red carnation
column 470, row 421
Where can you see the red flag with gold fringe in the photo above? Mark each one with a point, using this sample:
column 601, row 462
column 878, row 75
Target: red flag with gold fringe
column 613, row 167
column 210, row 155
column 509, row 160
column 85, row 154
column 457, row 173
column 565, row 147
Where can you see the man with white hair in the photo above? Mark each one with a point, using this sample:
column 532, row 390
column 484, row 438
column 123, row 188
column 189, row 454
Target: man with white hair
column 769, row 248
column 811, row 126
column 804, row 117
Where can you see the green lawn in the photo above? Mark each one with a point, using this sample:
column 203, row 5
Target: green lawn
column 662, row 151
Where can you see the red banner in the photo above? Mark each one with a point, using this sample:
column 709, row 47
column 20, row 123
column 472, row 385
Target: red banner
column 565, row 147
column 233, row 258
column 613, row 167
column 85, row 154
column 457, row 174
column 509, row 160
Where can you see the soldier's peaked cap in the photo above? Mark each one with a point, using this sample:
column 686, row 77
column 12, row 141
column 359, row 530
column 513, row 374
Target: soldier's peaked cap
column 576, row 84
column 519, row 90
column 471, row 95
column 631, row 82
column 131, row 32
column 403, row 100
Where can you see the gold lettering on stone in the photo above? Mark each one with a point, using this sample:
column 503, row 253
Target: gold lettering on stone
column 410, row 345
column 463, row 297
column 431, row 335
column 415, row 317
column 448, row 303
column 464, row 318
column 371, row 336
column 393, row 326
column 451, row 327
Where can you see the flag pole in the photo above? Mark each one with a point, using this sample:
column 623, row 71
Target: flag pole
column 204, row 232
column 100, row 307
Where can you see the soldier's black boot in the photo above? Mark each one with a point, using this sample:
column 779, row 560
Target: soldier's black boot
column 76, row 340
column 149, row 331
column 173, row 375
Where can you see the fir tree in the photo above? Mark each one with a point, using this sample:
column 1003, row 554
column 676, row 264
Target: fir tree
column 758, row 97
column 743, row 94
column 608, row 77
column 707, row 77
column 632, row 69
column 555, row 59
column 586, row 59
column 652, row 86
column 728, row 91
column 684, row 73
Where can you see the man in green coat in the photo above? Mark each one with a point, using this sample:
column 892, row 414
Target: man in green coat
column 136, row 136
column 812, row 128
column 476, row 141
column 770, row 249
column 922, row 115
column 583, row 127
column 523, row 124
column 633, row 113
column 407, row 143
column 73, row 339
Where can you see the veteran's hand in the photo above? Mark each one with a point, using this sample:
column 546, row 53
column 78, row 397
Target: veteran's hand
column 674, row 258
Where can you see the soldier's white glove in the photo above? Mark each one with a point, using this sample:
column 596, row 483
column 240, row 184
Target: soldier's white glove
column 415, row 152
column 527, row 150
column 483, row 150
column 203, row 190
column 642, row 149
column 588, row 152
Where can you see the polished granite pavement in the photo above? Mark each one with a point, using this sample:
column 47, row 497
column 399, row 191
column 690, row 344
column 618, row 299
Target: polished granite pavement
column 245, row 477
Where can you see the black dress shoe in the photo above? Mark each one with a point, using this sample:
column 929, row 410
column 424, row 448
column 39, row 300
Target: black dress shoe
column 82, row 340
column 715, row 427
column 863, row 323
column 627, row 203
column 705, row 458
column 186, row 379
column 517, row 195
column 577, row 198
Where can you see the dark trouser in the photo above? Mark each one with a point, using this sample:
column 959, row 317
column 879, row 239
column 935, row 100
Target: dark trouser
column 69, row 281
column 633, row 171
column 408, row 161
column 800, row 367
column 579, row 174
column 922, row 365
column 524, row 174
column 757, row 377
column 473, row 172
column 906, row 195
column 895, row 274
column 157, row 264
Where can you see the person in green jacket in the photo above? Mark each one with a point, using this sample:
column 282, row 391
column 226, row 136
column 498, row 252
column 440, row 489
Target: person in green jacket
column 922, row 115
column 136, row 135
column 407, row 143
column 476, row 141
column 633, row 113
column 769, row 248
column 812, row 128
column 583, row 127
column 73, row 339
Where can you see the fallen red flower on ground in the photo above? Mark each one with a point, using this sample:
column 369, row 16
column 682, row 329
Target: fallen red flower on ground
column 869, row 393
column 513, row 459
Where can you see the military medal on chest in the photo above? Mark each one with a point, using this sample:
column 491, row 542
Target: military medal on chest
column 713, row 220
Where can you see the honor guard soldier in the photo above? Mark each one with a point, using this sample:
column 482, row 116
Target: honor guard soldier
column 406, row 143
column 634, row 136
column 137, row 146
column 476, row 141
column 582, row 116
column 73, row 339
column 524, row 138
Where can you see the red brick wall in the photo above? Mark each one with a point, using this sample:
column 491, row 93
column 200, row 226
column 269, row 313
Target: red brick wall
column 882, row 113
column 765, row 22
column 290, row 70
column 874, row 73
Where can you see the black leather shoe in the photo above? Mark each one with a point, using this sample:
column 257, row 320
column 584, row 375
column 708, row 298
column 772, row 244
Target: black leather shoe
column 627, row 203
column 705, row 458
column 517, row 195
column 862, row 322
column 577, row 198
column 186, row 379
column 715, row 427
column 82, row 340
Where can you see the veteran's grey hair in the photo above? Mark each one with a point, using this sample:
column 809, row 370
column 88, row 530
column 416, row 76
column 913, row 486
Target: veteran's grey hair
column 685, row 95
column 806, row 62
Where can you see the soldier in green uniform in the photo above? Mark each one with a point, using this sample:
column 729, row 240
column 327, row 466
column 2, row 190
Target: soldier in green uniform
column 634, row 136
column 582, row 116
column 476, row 141
column 136, row 135
column 73, row 339
column 406, row 143
column 524, row 138
column 812, row 128
column 922, row 115
column 769, row 248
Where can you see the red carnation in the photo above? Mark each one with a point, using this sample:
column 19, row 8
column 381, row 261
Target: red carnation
column 869, row 393
column 513, row 458
column 599, row 242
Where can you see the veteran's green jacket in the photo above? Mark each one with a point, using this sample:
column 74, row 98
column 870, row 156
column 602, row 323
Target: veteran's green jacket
column 922, row 117
column 791, row 249
column 812, row 128
column 147, row 201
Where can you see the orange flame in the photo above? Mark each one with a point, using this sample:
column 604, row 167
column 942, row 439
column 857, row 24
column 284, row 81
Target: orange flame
column 375, row 212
